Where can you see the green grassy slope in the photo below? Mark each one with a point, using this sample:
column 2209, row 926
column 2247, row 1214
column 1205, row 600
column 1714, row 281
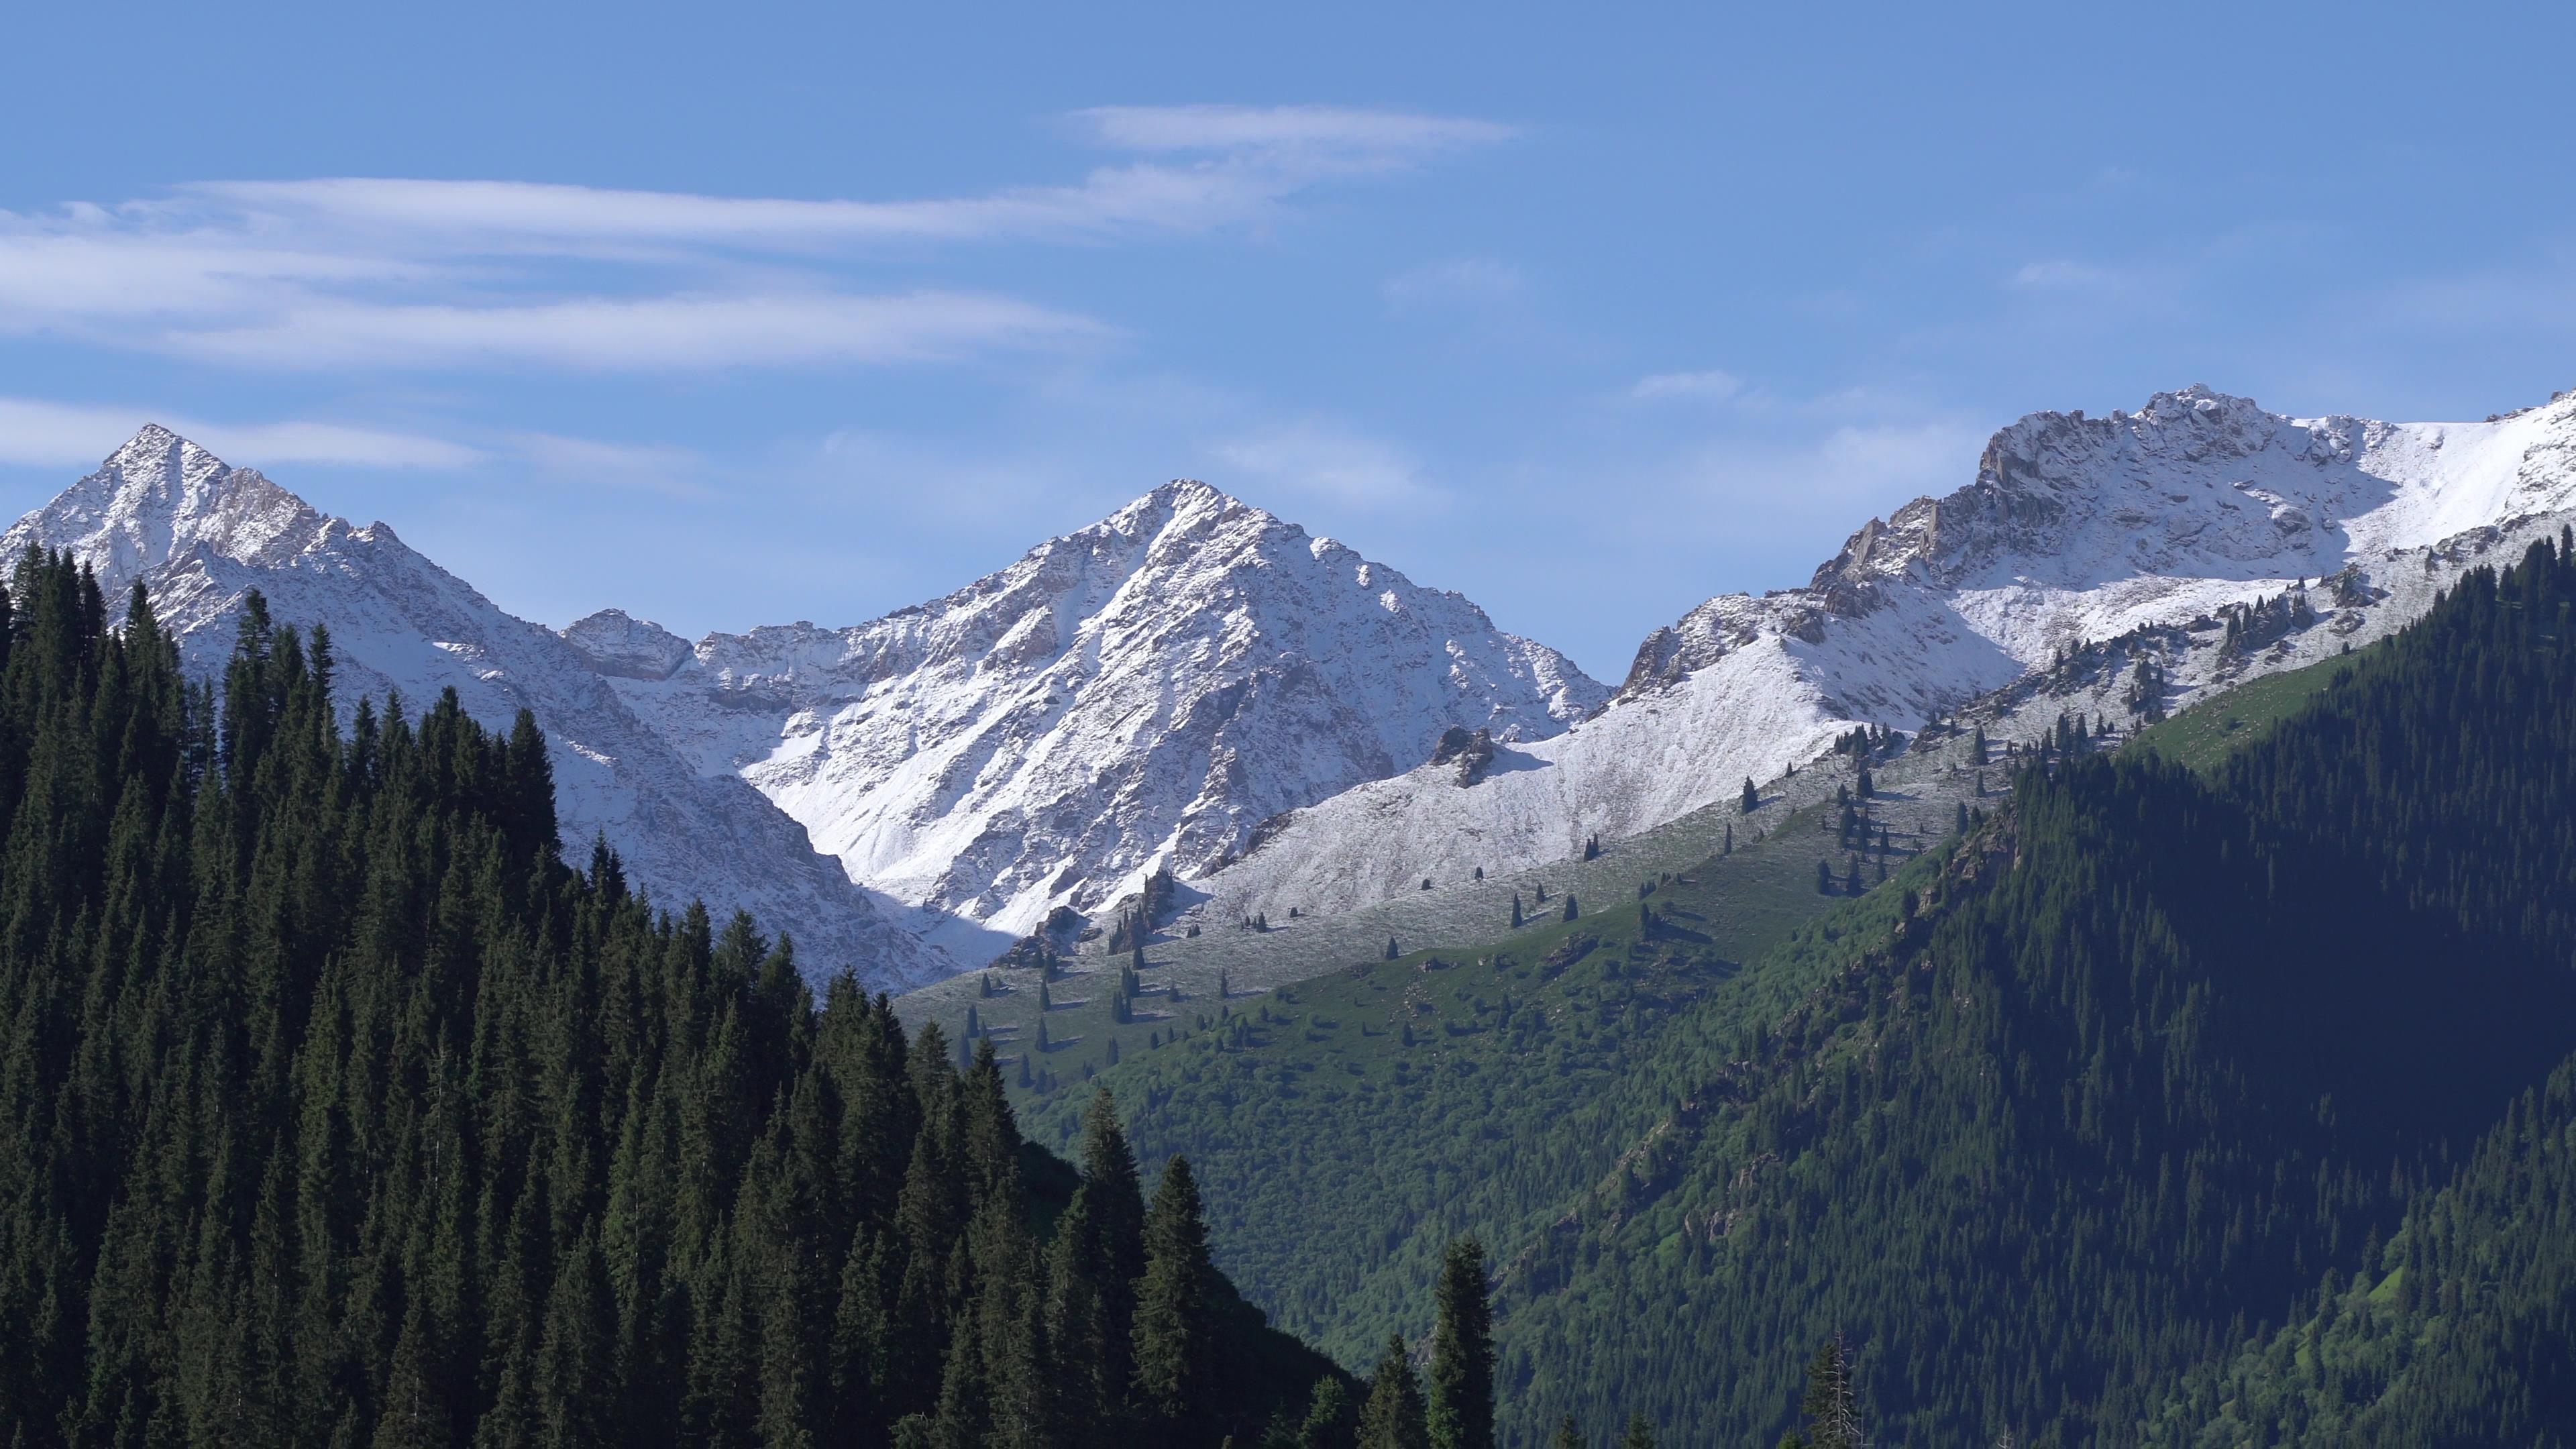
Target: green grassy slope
column 1733, row 907
column 1346, row 1126
column 2205, row 735
column 2126, row 1076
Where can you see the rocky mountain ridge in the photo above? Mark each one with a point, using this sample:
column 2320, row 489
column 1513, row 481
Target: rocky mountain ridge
column 1134, row 696
column 2074, row 530
column 1196, row 687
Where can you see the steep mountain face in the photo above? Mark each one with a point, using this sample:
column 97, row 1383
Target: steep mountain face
column 2075, row 530
column 1133, row 696
column 199, row 535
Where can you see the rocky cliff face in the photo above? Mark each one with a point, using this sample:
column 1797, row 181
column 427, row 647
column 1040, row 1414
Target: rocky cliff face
column 200, row 535
column 1135, row 696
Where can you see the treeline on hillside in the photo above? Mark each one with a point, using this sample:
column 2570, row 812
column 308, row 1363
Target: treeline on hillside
column 2454, row 1333
column 336, row 1110
column 2147, row 1063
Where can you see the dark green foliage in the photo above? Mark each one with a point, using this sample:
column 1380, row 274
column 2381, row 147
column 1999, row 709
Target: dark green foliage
column 1751, row 800
column 2165, row 1049
column 1176, row 1385
column 338, row 1110
column 1331, row 1422
column 1461, row 1414
column 2150, row 1056
column 1392, row 1416
column 2451, row 1334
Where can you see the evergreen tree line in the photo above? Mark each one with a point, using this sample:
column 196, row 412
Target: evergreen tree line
column 2150, row 1062
column 2107, row 1089
column 336, row 1110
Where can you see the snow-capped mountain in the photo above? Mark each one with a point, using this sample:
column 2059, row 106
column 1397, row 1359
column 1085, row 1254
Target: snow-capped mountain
column 2075, row 529
column 200, row 535
column 1136, row 695
column 1193, row 684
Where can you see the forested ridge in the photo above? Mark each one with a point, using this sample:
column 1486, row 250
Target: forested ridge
column 2061, row 1124
column 336, row 1110
column 2145, row 1063
column 2161, row 1107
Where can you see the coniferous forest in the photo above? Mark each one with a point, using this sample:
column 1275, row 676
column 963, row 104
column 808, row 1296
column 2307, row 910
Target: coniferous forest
column 2159, row 1107
column 336, row 1110
column 2059, row 1129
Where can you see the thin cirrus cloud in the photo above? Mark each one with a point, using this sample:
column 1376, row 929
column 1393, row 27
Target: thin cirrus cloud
column 1243, row 161
column 1459, row 281
column 44, row 434
column 639, row 334
column 1328, row 461
column 1710, row 386
column 390, row 273
column 39, row 433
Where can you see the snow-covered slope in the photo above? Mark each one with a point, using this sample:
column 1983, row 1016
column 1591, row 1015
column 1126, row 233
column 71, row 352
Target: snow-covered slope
column 200, row 535
column 2075, row 529
column 1136, row 695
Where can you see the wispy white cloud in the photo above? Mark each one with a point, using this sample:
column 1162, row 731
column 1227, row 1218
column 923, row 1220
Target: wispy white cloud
column 1379, row 136
column 1459, row 281
column 1323, row 459
column 644, row 334
column 404, row 273
column 2064, row 274
column 40, row 433
column 1709, row 386
column 674, row 472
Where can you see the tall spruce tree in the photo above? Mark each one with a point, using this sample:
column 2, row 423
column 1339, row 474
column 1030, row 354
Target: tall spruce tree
column 1461, row 1412
column 1175, row 1363
column 1391, row 1418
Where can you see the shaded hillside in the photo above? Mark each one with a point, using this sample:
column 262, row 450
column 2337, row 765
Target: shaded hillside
column 2143, row 1059
column 335, row 1109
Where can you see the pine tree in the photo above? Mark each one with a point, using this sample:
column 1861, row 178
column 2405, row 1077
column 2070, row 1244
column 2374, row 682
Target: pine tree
column 1567, row 1435
column 1572, row 910
column 1833, row 1419
column 1516, row 910
column 1174, row 1364
column 1391, row 1418
column 1330, row 1422
column 1750, row 801
column 1640, row 1435
column 1461, row 1412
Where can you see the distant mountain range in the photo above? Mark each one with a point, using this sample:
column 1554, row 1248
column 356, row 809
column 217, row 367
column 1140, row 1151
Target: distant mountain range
column 1197, row 686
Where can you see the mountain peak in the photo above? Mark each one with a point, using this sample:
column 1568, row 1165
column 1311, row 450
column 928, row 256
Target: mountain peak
column 157, row 497
column 619, row 644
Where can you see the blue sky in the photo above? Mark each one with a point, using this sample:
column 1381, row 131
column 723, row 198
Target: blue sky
column 736, row 316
